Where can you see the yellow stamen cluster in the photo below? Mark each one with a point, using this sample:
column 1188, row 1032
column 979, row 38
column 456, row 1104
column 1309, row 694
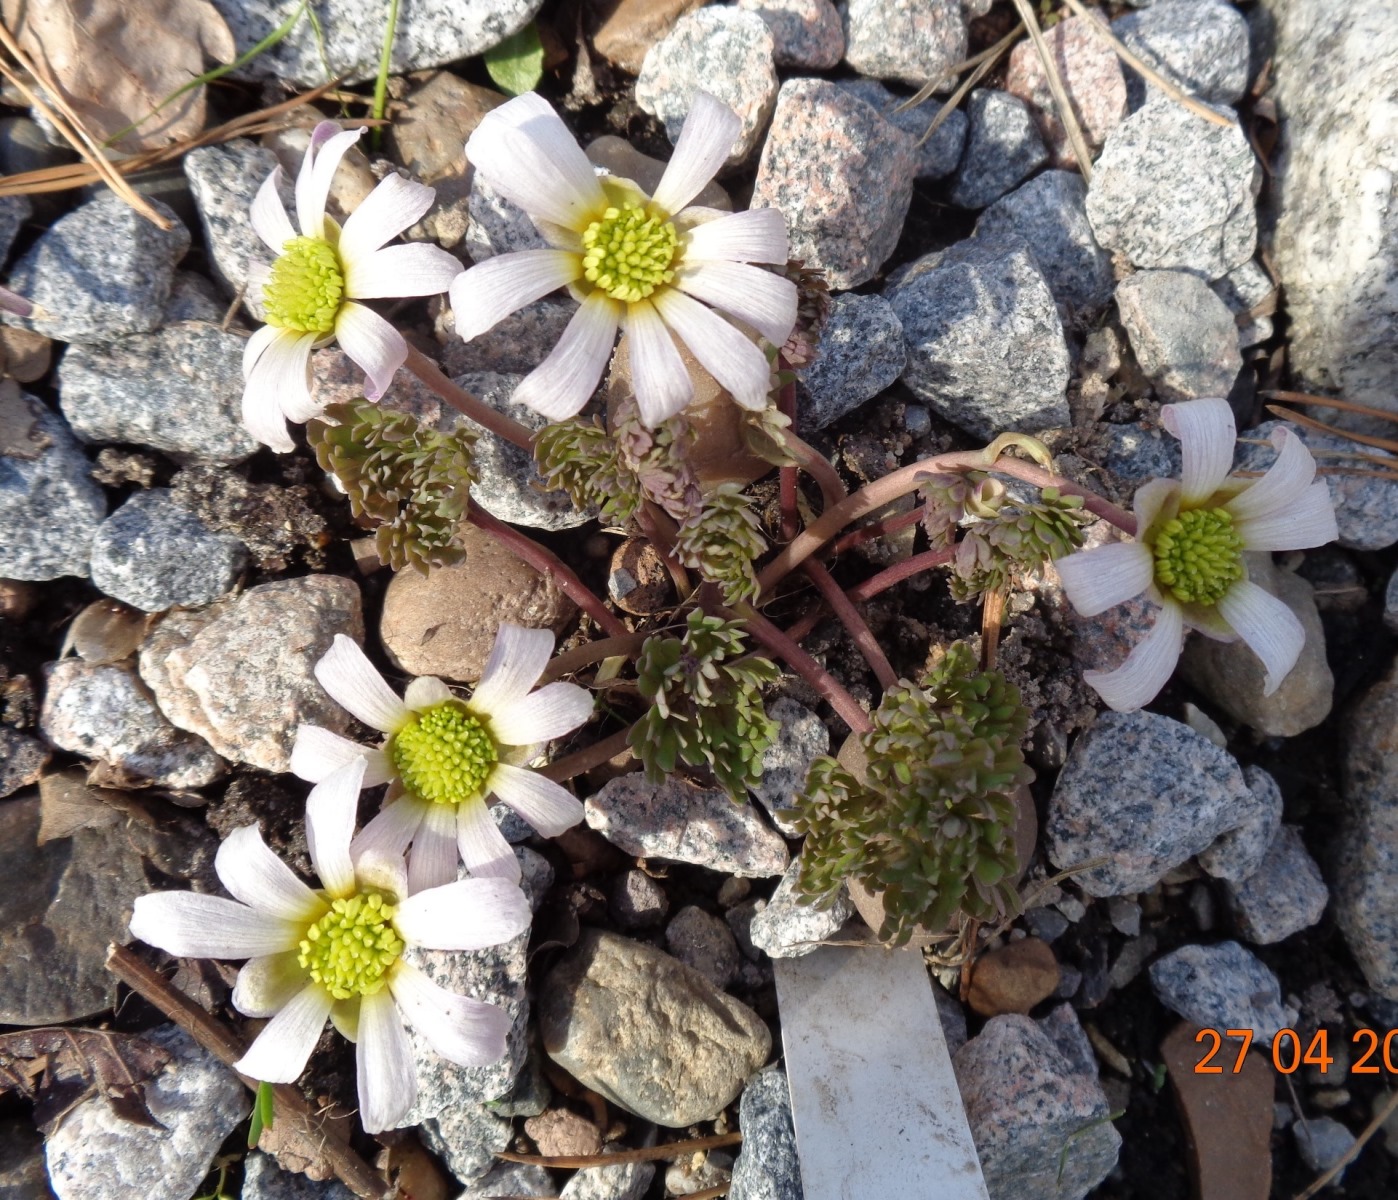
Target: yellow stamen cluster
column 629, row 254
column 444, row 755
column 349, row 950
column 1199, row 556
column 306, row 287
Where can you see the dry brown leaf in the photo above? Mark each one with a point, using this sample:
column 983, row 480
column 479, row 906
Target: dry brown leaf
column 115, row 61
column 298, row 1143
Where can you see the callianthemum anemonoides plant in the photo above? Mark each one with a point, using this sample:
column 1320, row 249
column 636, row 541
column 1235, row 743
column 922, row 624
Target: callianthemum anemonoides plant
column 648, row 265
column 336, row 952
column 1188, row 555
column 445, row 757
column 310, row 290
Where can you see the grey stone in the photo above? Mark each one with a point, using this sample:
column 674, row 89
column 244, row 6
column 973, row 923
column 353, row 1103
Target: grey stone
column 952, row 1016
column 49, row 506
column 104, row 711
column 154, row 554
column 1046, row 924
column 1390, row 602
column 1065, row 1031
column 790, row 927
column 650, row 1034
column 1003, row 148
column 515, row 346
column 985, row 344
column 1336, row 200
column 511, row 1179
column 767, row 1167
column 1147, row 793
column 627, row 1181
column 801, row 738
column 264, row 1180
column 197, row 1101
column 241, row 672
column 740, row 918
column 1040, row 1125
column 467, row 1139
column 678, row 821
column 1184, row 338
column 536, row 871
column 194, row 298
column 1242, row 289
column 1240, row 852
column 1173, row 191
column 1201, row 45
column 429, row 33
column 805, row 33
column 637, row 901
column 22, row 759
column 1130, row 960
column 1284, row 896
column 24, row 147
column 727, row 52
column 178, row 390
column 100, row 272
column 77, row 898
column 1125, row 915
column 842, row 177
column 22, row 1174
column 914, row 43
column 14, row 212
column 224, row 181
column 1138, row 453
column 860, row 353
column 1222, row 986
column 1050, row 213
column 497, row 225
column 1323, row 1141
column 1366, row 508
column 938, row 155
column 702, row 941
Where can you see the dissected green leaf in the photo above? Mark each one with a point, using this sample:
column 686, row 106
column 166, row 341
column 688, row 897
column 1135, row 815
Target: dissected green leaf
column 517, row 64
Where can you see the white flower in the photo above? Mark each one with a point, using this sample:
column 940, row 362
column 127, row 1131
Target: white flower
column 1191, row 536
column 337, row 952
column 310, row 289
column 645, row 264
column 444, row 757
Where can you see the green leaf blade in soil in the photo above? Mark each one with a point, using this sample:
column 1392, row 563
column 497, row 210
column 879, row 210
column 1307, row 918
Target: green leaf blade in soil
column 517, row 64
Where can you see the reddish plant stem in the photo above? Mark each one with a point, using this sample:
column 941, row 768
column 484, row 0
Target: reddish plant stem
column 661, row 531
column 546, row 562
column 467, row 404
column 853, row 622
column 878, row 529
column 895, row 574
column 801, row 630
column 584, row 760
column 786, row 405
column 589, row 653
column 817, row 466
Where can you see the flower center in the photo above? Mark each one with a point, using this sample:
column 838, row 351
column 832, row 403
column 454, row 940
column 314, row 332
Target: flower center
column 628, row 254
column 306, row 286
column 350, row 950
column 1199, row 556
column 445, row 755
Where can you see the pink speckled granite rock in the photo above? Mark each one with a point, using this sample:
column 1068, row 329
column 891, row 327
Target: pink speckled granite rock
column 807, row 33
column 914, row 41
column 1091, row 76
column 841, row 175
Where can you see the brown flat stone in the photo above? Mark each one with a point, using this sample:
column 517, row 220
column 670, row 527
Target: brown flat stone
column 632, row 27
column 1013, row 978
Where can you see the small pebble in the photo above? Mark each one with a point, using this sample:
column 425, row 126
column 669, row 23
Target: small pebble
column 1003, row 147
column 1222, row 986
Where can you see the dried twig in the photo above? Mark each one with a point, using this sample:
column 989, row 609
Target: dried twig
column 1331, row 402
column 1385, row 1110
column 928, row 88
column 992, row 56
column 589, row 757
column 642, row 1154
column 1066, row 114
column 1364, row 439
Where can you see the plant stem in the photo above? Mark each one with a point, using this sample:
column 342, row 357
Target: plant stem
column 466, row 404
column 878, row 529
column 593, row 652
column 853, row 622
column 381, row 79
column 894, row 575
column 584, row 760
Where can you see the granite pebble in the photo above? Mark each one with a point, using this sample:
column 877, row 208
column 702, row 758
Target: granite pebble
column 801, row 738
column 860, row 353
column 913, row 43
column 703, row 941
column 1184, row 338
column 1284, row 896
column 1222, row 986
column 805, row 33
column 224, row 181
column 1200, row 45
column 790, row 927
column 1003, row 148
column 1240, row 852
column 938, row 155
column 767, row 1167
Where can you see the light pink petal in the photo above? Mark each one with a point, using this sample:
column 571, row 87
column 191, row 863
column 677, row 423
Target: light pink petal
column 329, row 145
column 722, row 350
column 1096, row 580
column 317, row 752
column 469, row 914
column 1270, row 629
column 391, row 832
column 398, row 271
column 393, row 205
column 268, row 984
column 355, row 684
column 1302, row 522
column 373, row 343
column 658, row 375
column 483, row 847
column 434, row 856
column 278, row 384
column 426, row 691
column 549, row 807
column 755, row 236
column 193, row 925
column 1207, row 433
column 1147, row 668
column 332, row 810
column 470, row 1033
column 385, row 1072
column 552, row 711
column 280, row 1052
column 257, row 877
column 516, row 661
column 1287, row 478
column 489, row 292
column 710, row 129
column 756, row 297
column 256, row 346
column 1149, row 500
column 268, row 217
column 560, row 385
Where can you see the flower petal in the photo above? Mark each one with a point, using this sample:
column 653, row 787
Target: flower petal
column 344, row 1016
column 352, row 681
column 386, row 1075
column 396, row 271
column 470, row 1033
column 552, row 711
column 258, row 878
column 1286, row 479
column 1207, row 433
column 560, row 385
column 425, row 691
column 192, row 925
column 391, row 832
column 280, row 1052
column 709, row 131
column 469, row 914
column 268, row 216
column 756, row 297
column 1150, row 500
column 373, row 343
column 546, row 805
column 1268, row 626
column 1147, row 668
column 278, row 383
column 528, row 155
column 722, row 350
column 266, row 985
column 757, row 235
column 1096, row 580
column 659, row 377
column 316, row 752
column 393, row 205
column 328, row 146
column 332, row 810
column 487, row 293
column 516, row 661
column 1302, row 522
column 434, row 855
column 256, row 346
column 483, row 847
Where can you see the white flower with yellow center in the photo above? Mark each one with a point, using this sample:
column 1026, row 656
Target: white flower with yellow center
column 645, row 264
column 337, row 952
column 1191, row 535
column 444, row 757
column 310, row 289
